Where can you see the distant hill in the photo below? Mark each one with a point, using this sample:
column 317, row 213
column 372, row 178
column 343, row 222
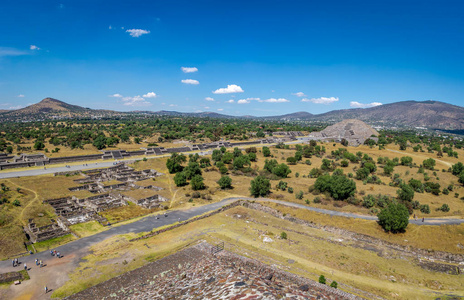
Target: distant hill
column 430, row 114
column 52, row 108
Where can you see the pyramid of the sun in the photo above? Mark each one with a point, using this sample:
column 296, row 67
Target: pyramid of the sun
column 354, row 131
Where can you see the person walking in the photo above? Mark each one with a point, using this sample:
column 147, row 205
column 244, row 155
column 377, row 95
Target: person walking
column 46, row 289
column 36, row 262
column 25, row 266
column 41, row 264
column 58, row 254
column 51, row 252
column 422, row 220
column 13, row 261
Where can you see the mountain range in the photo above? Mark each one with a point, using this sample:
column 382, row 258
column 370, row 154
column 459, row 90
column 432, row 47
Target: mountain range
column 429, row 114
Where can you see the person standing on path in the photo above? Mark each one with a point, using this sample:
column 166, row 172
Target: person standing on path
column 13, row 262
column 46, row 289
column 25, row 266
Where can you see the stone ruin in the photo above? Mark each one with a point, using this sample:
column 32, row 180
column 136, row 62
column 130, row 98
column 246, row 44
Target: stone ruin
column 354, row 131
column 119, row 172
column 149, row 202
column 288, row 133
column 39, row 234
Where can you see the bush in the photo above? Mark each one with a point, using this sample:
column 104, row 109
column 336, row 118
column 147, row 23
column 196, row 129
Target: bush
column 317, row 200
column 334, row 284
column 290, row 190
column 197, row 183
column 307, row 201
column 405, row 193
column 16, row 202
column 299, row 195
column 339, row 187
column 429, row 163
column 282, row 185
column 322, row 279
column 425, row 208
column 444, row 208
column 283, row 235
column 225, row 182
column 368, row 201
column 180, row 179
column 260, row 186
column 394, row 218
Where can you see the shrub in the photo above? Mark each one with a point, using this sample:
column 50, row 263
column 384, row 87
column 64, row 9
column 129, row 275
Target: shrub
column 405, row 193
column 197, row 183
column 344, row 163
column 429, row 163
column 322, row 279
column 368, row 201
column 225, row 182
column 180, row 179
column 444, row 208
column 307, row 201
column 290, row 190
column 424, row 208
column 299, row 195
column 282, row 185
column 339, row 187
column 317, row 200
column 308, row 162
column 16, row 202
column 283, row 235
column 394, row 218
column 334, row 284
column 260, row 186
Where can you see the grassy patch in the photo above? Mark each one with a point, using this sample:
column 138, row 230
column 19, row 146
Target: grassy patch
column 87, row 228
column 127, row 212
column 53, row 243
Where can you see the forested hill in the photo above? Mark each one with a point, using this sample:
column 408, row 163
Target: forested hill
column 429, row 114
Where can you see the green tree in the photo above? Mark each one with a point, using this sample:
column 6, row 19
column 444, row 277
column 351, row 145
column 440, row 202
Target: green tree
column 283, row 235
column 334, row 284
column 240, row 162
column 252, row 156
column 322, row 279
column 217, row 155
column 406, row 160
column 388, row 170
column 39, row 145
column 339, row 187
column 266, row 151
column 227, row 158
column 192, row 169
column 281, row 170
column 461, row 178
column 260, row 186
column 429, row 163
column 16, row 202
column 405, row 193
column 394, row 218
column 457, row 169
column 197, row 183
column 225, row 182
column 174, row 163
column 180, row 179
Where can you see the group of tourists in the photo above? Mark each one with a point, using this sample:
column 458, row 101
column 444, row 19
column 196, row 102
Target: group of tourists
column 38, row 262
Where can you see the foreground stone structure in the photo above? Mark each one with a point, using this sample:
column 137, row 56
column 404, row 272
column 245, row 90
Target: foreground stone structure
column 39, row 234
column 195, row 273
column 354, row 131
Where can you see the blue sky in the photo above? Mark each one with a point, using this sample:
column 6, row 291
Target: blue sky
column 239, row 57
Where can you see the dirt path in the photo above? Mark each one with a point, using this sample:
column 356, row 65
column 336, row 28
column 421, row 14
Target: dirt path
column 36, row 198
column 421, row 156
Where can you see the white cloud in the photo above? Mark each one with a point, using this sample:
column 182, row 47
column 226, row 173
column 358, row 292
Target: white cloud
column 34, row 47
column 206, row 107
column 274, row 100
column 21, row 96
column 220, row 109
column 116, row 96
column 270, row 100
column 209, row 99
column 110, row 27
column 190, row 81
column 135, row 101
column 150, row 95
column 172, row 105
column 321, row 100
column 356, row 104
column 137, row 32
column 6, row 51
column 230, row 101
column 189, row 69
column 299, row 94
column 231, row 88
